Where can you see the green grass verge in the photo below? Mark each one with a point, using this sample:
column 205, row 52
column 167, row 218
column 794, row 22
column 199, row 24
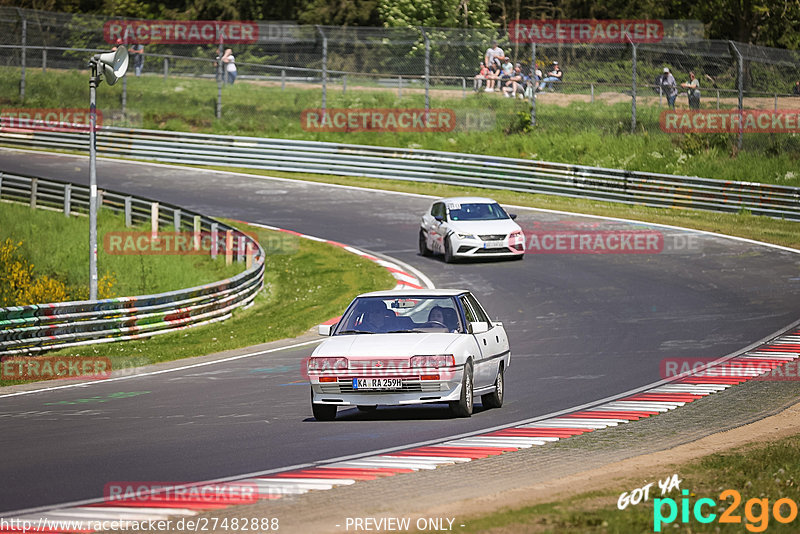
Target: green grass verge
column 777, row 231
column 585, row 133
column 306, row 282
column 58, row 247
column 764, row 471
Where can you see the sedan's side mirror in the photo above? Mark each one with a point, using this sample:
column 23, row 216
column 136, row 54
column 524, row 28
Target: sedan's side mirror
column 439, row 218
column 478, row 328
column 513, row 216
column 325, row 329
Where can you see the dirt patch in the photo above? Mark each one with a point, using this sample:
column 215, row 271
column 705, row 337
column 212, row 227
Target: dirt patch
column 645, row 96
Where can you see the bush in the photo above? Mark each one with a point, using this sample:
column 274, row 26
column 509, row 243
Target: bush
column 19, row 286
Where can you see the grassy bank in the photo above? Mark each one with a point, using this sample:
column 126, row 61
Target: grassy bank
column 578, row 132
column 306, row 282
column 58, row 247
column 762, row 472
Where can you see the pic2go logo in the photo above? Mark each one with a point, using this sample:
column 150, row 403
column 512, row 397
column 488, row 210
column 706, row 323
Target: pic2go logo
column 756, row 511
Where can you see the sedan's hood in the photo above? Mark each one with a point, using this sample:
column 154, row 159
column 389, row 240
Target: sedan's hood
column 501, row 226
column 386, row 345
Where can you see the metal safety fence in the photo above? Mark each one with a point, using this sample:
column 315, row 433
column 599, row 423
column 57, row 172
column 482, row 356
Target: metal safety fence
column 493, row 172
column 35, row 328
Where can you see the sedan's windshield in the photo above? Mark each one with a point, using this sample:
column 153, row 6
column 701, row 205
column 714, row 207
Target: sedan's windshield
column 381, row 315
column 476, row 212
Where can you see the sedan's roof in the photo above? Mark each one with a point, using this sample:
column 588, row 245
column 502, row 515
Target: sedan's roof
column 416, row 293
column 468, row 200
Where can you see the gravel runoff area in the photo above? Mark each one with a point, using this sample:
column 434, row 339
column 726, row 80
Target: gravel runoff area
column 648, row 449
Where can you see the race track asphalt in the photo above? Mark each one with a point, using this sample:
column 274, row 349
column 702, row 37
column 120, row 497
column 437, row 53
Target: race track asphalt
column 582, row 327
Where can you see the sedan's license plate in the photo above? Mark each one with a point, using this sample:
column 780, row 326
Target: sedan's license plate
column 366, row 384
column 493, row 244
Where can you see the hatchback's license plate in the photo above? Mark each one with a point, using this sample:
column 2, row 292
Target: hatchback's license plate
column 493, row 244
column 367, row 384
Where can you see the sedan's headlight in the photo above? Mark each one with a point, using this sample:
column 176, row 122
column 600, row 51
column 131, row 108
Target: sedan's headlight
column 436, row 360
column 328, row 363
column 466, row 236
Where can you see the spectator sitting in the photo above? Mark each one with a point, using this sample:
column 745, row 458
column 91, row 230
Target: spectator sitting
column 515, row 83
column 506, row 71
column 555, row 75
column 796, row 90
column 493, row 77
column 481, row 76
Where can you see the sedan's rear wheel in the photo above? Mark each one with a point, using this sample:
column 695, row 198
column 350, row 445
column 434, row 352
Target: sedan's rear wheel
column 495, row 399
column 423, row 245
column 463, row 406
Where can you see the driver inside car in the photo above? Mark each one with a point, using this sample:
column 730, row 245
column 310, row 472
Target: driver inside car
column 436, row 315
column 377, row 318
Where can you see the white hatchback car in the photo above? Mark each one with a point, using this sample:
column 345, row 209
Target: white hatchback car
column 469, row 227
column 409, row 347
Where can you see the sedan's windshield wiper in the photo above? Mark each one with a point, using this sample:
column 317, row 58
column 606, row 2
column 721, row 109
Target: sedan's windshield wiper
column 405, row 332
column 355, row 332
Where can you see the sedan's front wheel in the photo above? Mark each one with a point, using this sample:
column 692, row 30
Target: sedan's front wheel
column 448, row 251
column 323, row 412
column 463, row 406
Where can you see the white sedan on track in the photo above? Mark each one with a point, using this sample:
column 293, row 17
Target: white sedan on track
column 470, row 227
column 409, row 347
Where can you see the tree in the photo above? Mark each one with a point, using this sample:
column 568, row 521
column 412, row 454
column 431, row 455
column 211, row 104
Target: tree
column 435, row 13
column 339, row 12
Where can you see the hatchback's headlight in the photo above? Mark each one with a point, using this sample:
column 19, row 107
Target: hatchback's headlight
column 466, row 236
column 436, row 360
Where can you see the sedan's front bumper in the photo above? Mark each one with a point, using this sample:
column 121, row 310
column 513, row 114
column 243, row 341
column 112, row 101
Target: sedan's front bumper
column 414, row 390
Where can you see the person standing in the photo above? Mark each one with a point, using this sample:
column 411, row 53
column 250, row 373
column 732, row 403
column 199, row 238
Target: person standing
column 229, row 63
column 138, row 58
column 692, row 91
column 669, row 87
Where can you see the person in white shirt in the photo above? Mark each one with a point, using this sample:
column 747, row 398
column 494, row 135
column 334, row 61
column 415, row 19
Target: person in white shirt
column 493, row 55
column 230, row 65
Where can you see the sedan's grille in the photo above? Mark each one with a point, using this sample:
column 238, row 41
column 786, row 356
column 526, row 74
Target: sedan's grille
column 493, row 237
column 411, row 385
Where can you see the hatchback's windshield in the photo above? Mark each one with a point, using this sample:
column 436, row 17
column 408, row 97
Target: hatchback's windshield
column 380, row 315
column 476, row 212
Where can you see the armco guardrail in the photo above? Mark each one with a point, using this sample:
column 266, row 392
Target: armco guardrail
column 34, row 328
column 651, row 189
